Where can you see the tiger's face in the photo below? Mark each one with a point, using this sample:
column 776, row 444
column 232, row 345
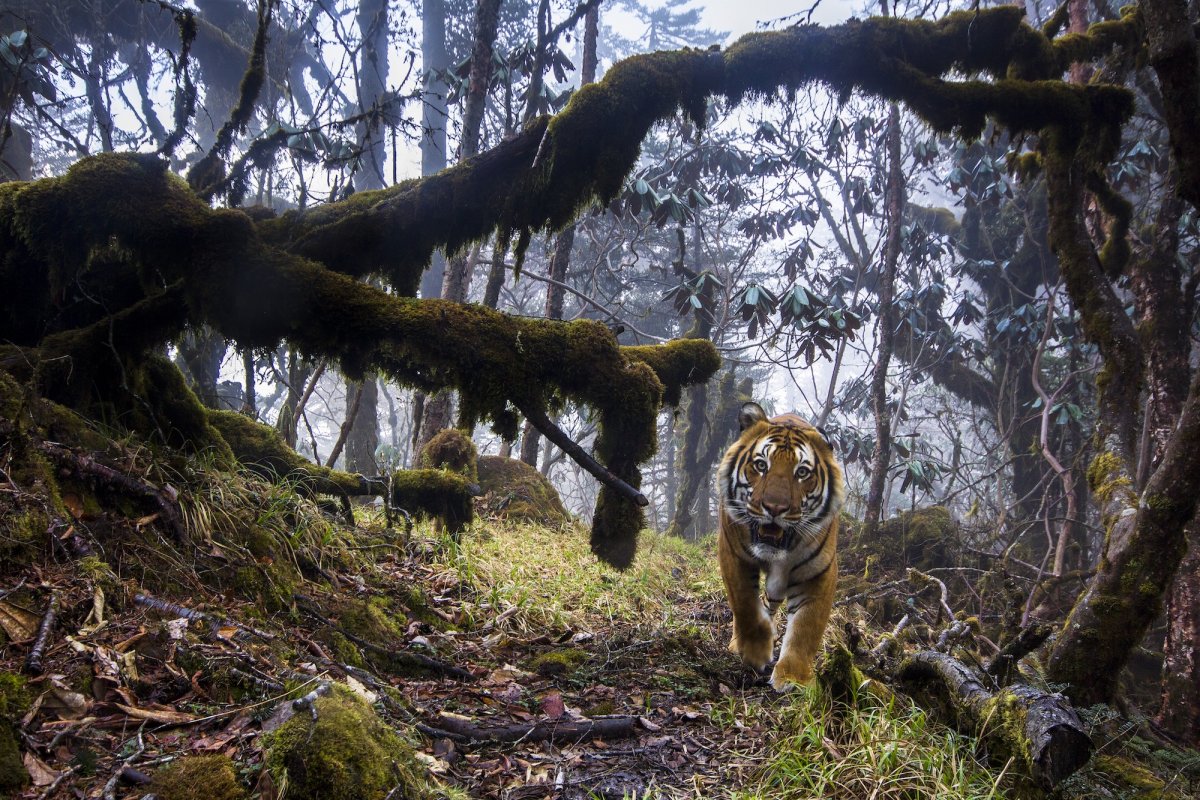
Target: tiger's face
column 780, row 481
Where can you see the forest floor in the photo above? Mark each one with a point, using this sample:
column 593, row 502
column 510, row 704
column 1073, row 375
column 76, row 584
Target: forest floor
column 496, row 657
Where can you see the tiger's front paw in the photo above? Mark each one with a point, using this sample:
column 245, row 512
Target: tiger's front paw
column 791, row 673
column 754, row 646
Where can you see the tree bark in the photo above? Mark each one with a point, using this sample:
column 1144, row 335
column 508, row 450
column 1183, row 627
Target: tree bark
column 1179, row 711
column 881, row 459
column 363, row 439
column 202, row 350
column 456, row 281
column 1143, row 548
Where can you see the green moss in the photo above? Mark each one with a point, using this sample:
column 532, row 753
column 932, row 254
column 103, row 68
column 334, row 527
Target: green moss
column 14, row 701
column 1142, row 783
column 344, row 650
column 373, row 620
column 99, row 572
column 14, row 696
column 347, row 753
column 453, row 450
column 435, row 493
column 514, row 490
column 261, row 449
column 418, row 607
column 13, row 775
column 205, row 777
column 683, row 362
column 22, row 533
column 557, row 662
column 1106, row 476
column 923, row 538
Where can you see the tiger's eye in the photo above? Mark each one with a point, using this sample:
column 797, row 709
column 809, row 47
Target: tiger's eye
column 803, row 472
column 760, row 465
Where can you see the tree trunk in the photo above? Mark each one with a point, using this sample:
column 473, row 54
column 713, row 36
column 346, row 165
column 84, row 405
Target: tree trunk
column 434, row 63
column 202, row 350
column 881, row 460
column 250, row 395
column 1179, row 712
column 456, row 281
column 363, row 439
column 1142, row 550
column 692, row 516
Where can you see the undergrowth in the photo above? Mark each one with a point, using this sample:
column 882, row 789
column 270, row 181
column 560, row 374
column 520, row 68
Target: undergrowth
column 876, row 748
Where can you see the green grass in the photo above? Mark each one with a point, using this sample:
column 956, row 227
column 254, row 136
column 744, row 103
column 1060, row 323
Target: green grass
column 878, row 748
column 552, row 579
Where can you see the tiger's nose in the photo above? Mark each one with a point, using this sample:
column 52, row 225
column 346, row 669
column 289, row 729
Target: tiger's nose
column 774, row 509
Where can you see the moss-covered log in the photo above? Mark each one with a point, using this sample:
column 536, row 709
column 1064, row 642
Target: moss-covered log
column 1038, row 730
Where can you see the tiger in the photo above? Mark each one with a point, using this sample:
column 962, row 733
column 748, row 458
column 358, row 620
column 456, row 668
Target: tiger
column 780, row 492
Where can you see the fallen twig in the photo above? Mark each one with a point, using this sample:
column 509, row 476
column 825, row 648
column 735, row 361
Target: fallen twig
column 33, row 662
column 88, row 467
column 110, row 788
column 146, row 601
column 567, row 732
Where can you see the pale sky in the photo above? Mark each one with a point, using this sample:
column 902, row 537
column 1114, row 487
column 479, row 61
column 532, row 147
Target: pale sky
column 743, row 16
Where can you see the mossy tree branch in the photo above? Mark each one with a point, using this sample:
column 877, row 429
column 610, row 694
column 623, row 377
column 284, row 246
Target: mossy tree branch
column 123, row 229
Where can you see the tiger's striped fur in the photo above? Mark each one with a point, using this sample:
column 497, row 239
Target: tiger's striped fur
column 780, row 493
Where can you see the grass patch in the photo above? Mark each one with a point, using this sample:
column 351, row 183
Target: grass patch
column 552, row 578
column 875, row 748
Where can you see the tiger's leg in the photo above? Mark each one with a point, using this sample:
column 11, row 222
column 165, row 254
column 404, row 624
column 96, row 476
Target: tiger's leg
column 808, row 613
column 753, row 633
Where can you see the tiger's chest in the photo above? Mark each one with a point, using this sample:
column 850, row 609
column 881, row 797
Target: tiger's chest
column 786, row 570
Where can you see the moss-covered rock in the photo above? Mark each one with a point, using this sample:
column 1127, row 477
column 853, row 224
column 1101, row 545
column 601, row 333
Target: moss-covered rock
column 435, row 493
column 514, row 490
column 923, row 538
column 206, row 777
column 347, row 753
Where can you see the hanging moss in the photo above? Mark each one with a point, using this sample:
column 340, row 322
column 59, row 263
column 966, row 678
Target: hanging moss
column 683, row 362
column 207, row 777
column 514, row 490
column 453, row 450
column 344, row 751
column 434, row 493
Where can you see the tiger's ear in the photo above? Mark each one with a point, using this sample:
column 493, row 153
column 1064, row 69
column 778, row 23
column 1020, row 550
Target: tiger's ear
column 749, row 414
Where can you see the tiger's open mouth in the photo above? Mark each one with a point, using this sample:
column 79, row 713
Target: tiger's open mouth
column 770, row 534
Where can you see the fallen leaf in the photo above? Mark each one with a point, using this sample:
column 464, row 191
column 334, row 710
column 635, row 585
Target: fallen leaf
column 142, row 522
column 73, row 503
column 63, row 702
column 553, row 706
column 161, row 716
column 39, row 772
column 648, row 725
column 18, row 623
